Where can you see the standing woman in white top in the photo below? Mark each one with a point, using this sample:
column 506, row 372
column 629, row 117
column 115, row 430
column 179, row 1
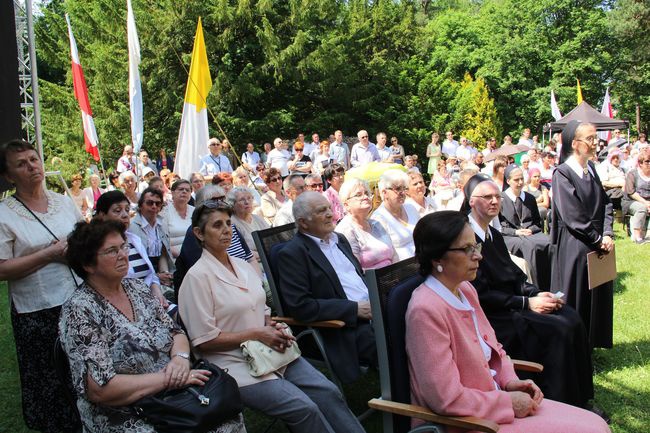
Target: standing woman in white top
column 397, row 218
column 178, row 217
column 34, row 226
column 77, row 195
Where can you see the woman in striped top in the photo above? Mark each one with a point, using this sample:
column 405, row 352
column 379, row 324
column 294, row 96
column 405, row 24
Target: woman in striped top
column 114, row 206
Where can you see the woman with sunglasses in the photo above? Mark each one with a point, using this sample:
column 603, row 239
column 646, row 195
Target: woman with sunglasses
column 456, row 362
column 274, row 198
column 636, row 201
column 147, row 225
column 396, row 217
column 582, row 217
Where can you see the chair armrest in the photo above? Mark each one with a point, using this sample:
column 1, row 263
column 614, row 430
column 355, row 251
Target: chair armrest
column 412, row 411
column 322, row 324
column 533, row 367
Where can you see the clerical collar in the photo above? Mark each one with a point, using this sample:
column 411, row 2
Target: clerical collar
column 477, row 228
column 574, row 165
column 511, row 195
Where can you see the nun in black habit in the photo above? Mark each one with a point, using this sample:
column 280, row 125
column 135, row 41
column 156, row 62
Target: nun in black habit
column 529, row 323
column 581, row 222
column 521, row 227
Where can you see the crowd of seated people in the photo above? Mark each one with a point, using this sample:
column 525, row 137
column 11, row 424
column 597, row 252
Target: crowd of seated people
column 346, row 225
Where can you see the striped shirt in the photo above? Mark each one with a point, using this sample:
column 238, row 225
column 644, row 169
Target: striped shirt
column 138, row 267
column 237, row 248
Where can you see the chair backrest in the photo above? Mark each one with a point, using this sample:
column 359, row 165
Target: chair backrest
column 269, row 242
column 390, row 290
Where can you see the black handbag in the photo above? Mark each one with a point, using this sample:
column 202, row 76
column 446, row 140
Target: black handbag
column 195, row 409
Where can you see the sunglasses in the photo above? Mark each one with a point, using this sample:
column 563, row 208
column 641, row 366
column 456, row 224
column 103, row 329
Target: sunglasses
column 275, row 179
column 153, row 203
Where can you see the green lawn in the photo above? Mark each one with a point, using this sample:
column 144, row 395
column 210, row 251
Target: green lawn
column 622, row 373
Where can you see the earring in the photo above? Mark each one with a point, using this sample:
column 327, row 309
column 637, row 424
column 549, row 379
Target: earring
column 439, row 268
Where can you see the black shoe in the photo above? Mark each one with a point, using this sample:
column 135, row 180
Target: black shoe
column 598, row 411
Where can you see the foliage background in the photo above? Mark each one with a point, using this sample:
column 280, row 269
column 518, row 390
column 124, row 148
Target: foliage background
column 407, row 67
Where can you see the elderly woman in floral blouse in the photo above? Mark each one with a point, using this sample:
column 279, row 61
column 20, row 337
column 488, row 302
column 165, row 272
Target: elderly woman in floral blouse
column 121, row 343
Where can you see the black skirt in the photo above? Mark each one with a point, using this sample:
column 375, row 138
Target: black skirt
column 46, row 400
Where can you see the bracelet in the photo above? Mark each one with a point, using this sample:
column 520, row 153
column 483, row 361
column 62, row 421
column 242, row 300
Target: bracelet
column 183, row 355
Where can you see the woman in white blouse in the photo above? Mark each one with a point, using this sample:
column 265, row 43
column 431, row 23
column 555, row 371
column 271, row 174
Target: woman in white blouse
column 370, row 242
column 415, row 195
column 397, row 218
column 178, row 217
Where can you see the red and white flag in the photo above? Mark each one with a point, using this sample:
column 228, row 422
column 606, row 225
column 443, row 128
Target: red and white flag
column 606, row 110
column 81, row 94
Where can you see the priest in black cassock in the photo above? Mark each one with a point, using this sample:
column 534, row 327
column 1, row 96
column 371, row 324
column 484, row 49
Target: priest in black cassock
column 582, row 223
column 531, row 324
column 521, row 227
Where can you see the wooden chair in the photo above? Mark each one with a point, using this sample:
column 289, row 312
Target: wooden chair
column 390, row 290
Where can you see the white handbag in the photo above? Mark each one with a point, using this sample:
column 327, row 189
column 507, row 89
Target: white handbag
column 263, row 359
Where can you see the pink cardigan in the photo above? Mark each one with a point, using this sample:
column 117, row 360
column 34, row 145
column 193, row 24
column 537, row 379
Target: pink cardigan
column 449, row 373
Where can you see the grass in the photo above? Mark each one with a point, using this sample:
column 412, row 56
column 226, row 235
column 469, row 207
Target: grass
column 622, row 374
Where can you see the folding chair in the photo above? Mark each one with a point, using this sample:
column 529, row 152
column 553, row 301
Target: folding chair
column 390, row 290
column 269, row 242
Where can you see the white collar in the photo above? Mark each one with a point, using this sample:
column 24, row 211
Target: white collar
column 574, row 165
column 511, row 195
column 460, row 304
column 332, row 239
column 477, row 228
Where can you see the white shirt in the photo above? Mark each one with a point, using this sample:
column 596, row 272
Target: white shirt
column 400, row 233
column 21, row 235
column 461, row 304
column 464, row 153
column 384, row 153
column 353, row 286
column 175, row 226
column 449, row 147
column 340, row 153
column 279, row 159
column 511, row 195
column 211, row 165
column 284, row 215
column 250, row 158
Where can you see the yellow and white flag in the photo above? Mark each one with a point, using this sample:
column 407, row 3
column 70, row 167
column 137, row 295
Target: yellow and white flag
column 193, row 135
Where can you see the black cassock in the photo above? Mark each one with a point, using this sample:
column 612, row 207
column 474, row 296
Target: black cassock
column 536, row 248
column 582, row 215
column 557, row 340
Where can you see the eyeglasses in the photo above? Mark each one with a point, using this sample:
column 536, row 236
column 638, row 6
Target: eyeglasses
column 275, row 179
column 470, row 250
column 398, row 189
column 315, row 186
column 114, row 251
column 645, row 161
column 359, row 195
column 245, row 199
column 364, row 136
column 489, row 197
column 215, row 144
column 153, row 203
column 592, row 139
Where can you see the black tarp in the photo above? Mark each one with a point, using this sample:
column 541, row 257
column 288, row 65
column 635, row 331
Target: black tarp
column 586, row 113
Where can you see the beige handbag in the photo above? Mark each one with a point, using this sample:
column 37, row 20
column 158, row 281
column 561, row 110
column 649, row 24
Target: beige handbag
column 263, row 359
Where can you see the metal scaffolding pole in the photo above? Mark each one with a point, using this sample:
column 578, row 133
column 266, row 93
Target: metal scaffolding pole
column 28, row 74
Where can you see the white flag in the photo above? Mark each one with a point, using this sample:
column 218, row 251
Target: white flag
column 555, row 110
column 135, row 89
column 606, row 110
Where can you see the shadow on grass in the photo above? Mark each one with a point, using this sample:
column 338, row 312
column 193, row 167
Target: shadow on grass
column 622, row 355
column 628, row 407
column 620, row 285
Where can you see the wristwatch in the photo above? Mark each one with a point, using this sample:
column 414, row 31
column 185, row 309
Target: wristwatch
column 183, row 355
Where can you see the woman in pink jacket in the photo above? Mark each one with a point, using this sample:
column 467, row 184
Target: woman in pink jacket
column 457, row 366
